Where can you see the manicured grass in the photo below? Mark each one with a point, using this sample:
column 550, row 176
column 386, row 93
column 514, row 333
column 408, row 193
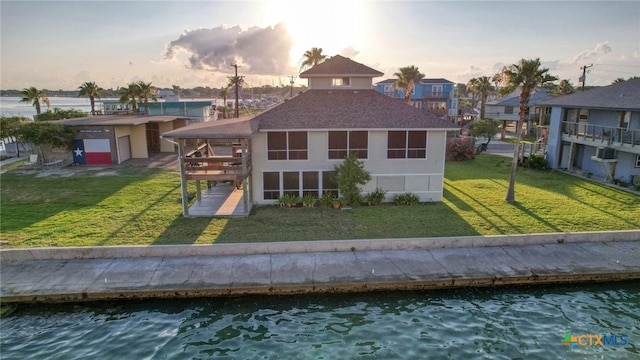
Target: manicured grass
column 139, row 206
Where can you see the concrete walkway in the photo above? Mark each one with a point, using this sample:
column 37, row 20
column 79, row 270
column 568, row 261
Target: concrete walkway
column 67, row 275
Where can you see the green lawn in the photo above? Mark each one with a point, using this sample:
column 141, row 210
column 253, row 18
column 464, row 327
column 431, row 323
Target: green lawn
column 139, row 206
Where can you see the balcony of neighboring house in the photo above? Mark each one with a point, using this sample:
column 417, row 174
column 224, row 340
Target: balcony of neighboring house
column 435, row 94
column 622, row 139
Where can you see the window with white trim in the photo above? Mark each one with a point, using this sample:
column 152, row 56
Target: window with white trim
column 340, row 82
column 297, row 183
column 406, row 144
column 342, row 143
column 290, row 145
column 638, row 161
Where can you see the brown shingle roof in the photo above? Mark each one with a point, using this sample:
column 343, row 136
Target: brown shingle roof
column 340, row 65
column 348, row 109
column 620, row 96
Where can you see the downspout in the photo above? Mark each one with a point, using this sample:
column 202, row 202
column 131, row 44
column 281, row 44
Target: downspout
column 183, row 178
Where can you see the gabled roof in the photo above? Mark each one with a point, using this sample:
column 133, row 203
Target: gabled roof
column 620, row 96
column 118, row 120
column 538, row 96
column 388, row 81
column 340, row 65
column 435, row 81
column 348, row 109
column 242, row 127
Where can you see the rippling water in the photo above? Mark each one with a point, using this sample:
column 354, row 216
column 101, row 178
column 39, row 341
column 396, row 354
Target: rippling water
column 504, row 323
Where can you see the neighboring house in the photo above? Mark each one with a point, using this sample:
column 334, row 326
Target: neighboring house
column 597, row 131
column 113, row 139
column 507, row 108
column 435, row 95
column 198, row 111
column 293, row 147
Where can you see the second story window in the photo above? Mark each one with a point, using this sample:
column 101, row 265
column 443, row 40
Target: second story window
column 342, row 81
column 342, row 143
column 407, row 145
column 290, row 145
column 437, row 90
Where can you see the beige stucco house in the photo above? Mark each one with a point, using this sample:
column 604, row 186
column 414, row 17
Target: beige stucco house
column 293, row 147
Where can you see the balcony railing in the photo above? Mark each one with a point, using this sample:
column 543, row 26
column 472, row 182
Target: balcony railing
column 606, row 134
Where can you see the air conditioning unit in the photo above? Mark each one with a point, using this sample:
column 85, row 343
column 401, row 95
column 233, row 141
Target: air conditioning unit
column 606, row 153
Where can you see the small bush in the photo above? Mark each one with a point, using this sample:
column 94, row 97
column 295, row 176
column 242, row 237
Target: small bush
column 460, row 149
column 536, row 162
column 406, row 199
column 327, row 199
column 289, row 200
column 376, row 197
column 309, row 200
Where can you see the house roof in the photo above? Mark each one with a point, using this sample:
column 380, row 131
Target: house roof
column 342, row 66
column 538, row 96
column 242, row 127
column 388, row 81
column 435, row 81
column 118, row 120
column 620, row 96
column 348, row 109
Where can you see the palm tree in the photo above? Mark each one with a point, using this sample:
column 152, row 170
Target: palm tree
column 527, row 75
column 224, row 93
column 92, row 91
column 34, row 96
column 483, row 87
column 407, row 77
column 471, row 85
column 146, row 91
column 618, row 80
column 312, row 58
column 129, row 95
column 564, row 88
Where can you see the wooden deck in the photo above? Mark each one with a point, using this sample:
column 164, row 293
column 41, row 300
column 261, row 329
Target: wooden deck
column 222, row 200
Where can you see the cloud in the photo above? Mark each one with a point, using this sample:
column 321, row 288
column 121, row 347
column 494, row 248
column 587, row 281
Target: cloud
column 600, row 49
column 349, row 52
column 258, row 50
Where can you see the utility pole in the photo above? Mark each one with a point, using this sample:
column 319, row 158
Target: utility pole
column 584, row 74
column 292, row 77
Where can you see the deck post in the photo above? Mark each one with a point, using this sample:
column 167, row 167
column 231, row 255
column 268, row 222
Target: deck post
column 183, row 178
column 245, row 195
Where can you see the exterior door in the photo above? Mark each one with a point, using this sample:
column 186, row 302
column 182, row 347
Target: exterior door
column 124, row 148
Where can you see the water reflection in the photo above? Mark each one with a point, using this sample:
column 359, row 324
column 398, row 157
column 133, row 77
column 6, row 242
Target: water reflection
column 504, row 323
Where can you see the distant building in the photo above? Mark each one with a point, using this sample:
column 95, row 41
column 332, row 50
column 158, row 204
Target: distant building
column 198, row 111
column 435, row 95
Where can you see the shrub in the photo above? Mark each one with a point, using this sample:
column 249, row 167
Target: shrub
column 376, row 197
column 460, row 149
column 327, row 199
column 536, row 162
column 406, row 199
column 288, row 200
column 309, row 200
column 348, row 176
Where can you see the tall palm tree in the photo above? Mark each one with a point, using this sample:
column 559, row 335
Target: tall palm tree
column 527, row 75
column 407, row 77
column 483, row 87
column 146, row 92
column 312, row 58
column 564, row 88
column 471, row 85
column 34, row 96
column 92, row 91
column 129, row 95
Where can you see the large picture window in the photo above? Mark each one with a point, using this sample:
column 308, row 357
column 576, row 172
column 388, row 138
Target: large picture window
column 271, row 185
column 342, row 143
column 291, row 183
column 290, row 145
column 407, row 145
column 297, row 183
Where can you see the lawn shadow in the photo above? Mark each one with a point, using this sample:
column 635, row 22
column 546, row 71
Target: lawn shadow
column 465, row 206
column 184, row 231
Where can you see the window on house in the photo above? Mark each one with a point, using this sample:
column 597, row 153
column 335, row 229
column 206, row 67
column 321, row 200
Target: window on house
column 342, row 143
column 436, row 90
column 310, row 184
column 625, row 119
column 287, row 145
column 271, row 185
column 638, row 161
column 508, row 110
column 343, row 81
column 437, row 105
column 328, row 186
column 291, row 183
column 407, row 145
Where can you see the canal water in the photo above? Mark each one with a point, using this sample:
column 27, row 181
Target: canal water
column 496, row 323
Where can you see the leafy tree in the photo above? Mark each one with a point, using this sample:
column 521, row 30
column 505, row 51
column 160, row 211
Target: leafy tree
column 348, row 176
column 59, row 114
column 526, row 74
column 406, row 79
column 44, row 135
column 92, row 91
column 312, row 58
column 34, row 96
column 471, row 85
column 564, row 88
column 618, row 80
column 224, row 93
column 483, row 86
column 10, row 128
column 487, row 128
column 146, row 92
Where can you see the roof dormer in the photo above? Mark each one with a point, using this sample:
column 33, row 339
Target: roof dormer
column 339, row 72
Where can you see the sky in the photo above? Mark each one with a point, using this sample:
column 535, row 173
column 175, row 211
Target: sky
column 62, row 44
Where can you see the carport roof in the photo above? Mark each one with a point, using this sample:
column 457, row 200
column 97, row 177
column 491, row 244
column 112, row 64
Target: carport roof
column 118, row 120
column 242, row 127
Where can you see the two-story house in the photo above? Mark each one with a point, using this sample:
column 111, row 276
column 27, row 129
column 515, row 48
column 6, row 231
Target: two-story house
column 597, row 131
column 292, row 148
column 435, row 95
column 507, row 108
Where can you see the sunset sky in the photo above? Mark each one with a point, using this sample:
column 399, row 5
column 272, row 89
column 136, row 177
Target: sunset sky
column 61, row 44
